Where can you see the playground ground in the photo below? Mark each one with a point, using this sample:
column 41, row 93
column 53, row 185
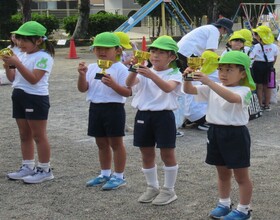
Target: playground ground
column 75, row 160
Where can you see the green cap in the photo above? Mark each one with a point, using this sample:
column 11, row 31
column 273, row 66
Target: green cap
column 165, row 43
column 237, row 57
column 31, row 28
column 106, row 39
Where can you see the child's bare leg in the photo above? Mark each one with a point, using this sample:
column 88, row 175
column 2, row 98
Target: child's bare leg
column 26, row 140
column 245, row 185
column 260, row 93
column 224, row 181
column 39, row 132
column 104, row 152
column 267, row 95
column 148, row 157
column 119, row 153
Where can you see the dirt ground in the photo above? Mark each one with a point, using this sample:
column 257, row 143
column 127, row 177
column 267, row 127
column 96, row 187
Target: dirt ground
column 75, row 160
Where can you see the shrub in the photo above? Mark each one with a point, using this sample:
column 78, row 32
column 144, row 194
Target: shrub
column 50, row 22
column 69, row 24
column 97, row 23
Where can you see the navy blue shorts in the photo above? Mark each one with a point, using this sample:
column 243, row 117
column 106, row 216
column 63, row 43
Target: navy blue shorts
column 155, row 128
column 228, row 146
column 30, row 107
column 106, row 120
column 260, row 71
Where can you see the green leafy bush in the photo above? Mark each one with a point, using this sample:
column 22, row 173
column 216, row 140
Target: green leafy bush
column 69, row 24
column 97, row 23
column 50, row 22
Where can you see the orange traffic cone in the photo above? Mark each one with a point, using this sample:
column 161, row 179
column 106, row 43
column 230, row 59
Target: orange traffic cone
column 72, row 51
column 144, row 44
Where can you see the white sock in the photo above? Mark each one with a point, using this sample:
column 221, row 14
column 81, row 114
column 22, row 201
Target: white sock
column 29, row 163
column 106, row 172
column 243, row 208
column 151, row 176
column 118, row 175
column 226, row 202
column 170, row 176
column 44, row 166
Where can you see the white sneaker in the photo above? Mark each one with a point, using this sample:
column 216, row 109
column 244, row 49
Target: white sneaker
column 165, row 197
column 150, row 194
column 21, row 173
column 39, row 176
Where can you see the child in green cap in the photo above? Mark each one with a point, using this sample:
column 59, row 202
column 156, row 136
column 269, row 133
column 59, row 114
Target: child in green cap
column 30, row 74
column 106, row 112
column 228, row 139
column 156, row 92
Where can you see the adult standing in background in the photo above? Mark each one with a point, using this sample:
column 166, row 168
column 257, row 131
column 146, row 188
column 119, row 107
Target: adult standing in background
column 194, row 43
column 203, row 38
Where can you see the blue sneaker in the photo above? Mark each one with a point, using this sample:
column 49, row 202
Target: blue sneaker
column 220, row 211
column 98, row 180
column 114, row 183
column 237, row 215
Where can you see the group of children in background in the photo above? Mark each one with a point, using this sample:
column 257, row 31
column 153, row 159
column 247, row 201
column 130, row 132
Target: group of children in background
column 155, row 91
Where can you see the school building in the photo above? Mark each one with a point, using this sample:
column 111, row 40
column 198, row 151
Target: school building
column 63, row 8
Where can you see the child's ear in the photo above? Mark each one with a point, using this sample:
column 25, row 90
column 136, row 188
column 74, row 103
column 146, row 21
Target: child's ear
column 244, row 74
column 119, row 50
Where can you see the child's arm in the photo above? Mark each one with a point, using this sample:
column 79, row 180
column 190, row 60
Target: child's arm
column 227, row 94
column 32, row 77
column 166, row 86
column 131, row 80
column 189, row 88
column 10, row 73
column 82, row 82
column 121, row 90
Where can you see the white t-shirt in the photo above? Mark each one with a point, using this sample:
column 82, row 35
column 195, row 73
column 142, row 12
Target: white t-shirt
column 198, row 40
column 220, row 111
column 271, row 51
column 194, row 110
column 98, row 92
column 149, row 97
column 40, row 60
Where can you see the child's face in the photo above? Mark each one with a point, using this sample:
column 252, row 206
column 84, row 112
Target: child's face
column 231, row 74
column 160, row 59
column 107, row 53
column 29, row 45
column 236, row 44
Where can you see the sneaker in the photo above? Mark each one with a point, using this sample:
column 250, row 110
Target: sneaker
column 164, row 197
column 22, row 172
column 267, row 108
column 237, row 215
column 179, row 134
column 188, row 123
column 114, row 183
column 39, row 176
column 98, row 181
column 220, row 211
column 150, row 194
column 204, row 127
